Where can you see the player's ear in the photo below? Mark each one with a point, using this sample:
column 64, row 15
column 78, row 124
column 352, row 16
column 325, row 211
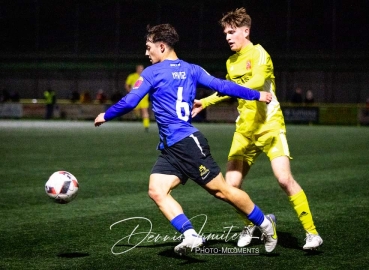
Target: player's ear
column 246, row 32
column 162, row 47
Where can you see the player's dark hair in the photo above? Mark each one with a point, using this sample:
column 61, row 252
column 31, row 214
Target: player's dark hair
column 162, row 32
column 237, row 18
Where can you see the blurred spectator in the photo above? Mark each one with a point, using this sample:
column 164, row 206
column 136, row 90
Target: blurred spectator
column 364, row 114
column 309, row 97
column 297, row 96
column 74, row 96
column 85, row 97
column 116, row 96
column 50, row 100
column 101, row 97
column 5, row 96
column 15, row 96
column 142, row 108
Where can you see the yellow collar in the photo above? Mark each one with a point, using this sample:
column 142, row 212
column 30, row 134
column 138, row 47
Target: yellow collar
column 245, row 49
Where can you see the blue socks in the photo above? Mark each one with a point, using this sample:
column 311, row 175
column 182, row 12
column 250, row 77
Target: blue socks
column 256, row 216
column 181, row 223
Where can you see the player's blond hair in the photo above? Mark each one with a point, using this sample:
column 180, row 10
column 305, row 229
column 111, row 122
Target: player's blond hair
column 236, row 18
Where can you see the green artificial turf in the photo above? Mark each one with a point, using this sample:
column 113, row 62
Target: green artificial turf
column 112, row 164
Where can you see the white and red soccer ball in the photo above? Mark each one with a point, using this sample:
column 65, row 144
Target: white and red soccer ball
column 62, row 186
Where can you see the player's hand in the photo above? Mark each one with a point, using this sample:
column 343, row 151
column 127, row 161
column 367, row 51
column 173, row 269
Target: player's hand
column 265, row 97
column 197, row 107
column 99, row 120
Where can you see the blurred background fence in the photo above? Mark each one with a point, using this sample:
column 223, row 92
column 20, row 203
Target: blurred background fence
column 84, row 46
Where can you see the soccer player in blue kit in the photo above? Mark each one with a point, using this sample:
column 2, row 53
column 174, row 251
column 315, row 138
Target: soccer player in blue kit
column 185, row 153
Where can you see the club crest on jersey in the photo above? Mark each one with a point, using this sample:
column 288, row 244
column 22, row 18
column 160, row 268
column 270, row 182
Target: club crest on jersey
column 204, row 172
column 248, row 65
column 138, row 83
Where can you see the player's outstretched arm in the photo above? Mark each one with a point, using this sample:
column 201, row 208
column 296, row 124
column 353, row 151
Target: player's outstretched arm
column 265, row 97
column 99, row 120
column 197, row 107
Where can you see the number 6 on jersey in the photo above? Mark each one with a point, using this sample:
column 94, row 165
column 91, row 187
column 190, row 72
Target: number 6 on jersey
column 182, row 105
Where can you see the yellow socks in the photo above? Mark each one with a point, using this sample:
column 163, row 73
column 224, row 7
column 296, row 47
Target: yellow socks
column 244, row 218
column 301, row 206
column 146, row 122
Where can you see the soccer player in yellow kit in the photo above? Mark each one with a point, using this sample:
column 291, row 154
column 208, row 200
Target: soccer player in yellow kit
column 260, row 127
column 144, row 104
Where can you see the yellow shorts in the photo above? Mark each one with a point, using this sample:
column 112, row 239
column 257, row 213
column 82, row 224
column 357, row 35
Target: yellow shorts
column 273, row 143
column 144, row 103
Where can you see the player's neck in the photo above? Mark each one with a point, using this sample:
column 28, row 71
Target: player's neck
column 170, row 56
column 246, row 44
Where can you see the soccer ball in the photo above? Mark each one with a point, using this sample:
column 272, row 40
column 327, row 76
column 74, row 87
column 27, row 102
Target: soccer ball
column 62, row 187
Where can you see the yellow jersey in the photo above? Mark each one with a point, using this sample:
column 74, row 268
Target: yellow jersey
column 132, row 78
column 252, row 67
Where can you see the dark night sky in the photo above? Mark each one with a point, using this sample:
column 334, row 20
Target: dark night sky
column 111, row 26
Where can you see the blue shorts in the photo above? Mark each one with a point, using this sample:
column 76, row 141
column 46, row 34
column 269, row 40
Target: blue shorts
column 188, row 158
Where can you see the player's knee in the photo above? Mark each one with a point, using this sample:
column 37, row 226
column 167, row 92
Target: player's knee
column 219, row 195
column 234, row 179
column 155, row 194
column 285, row 180
column 233, row 182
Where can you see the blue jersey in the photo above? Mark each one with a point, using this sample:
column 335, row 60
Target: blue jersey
column 172, row 86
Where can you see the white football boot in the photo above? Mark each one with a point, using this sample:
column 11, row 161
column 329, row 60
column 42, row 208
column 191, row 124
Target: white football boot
column 189, row 244
column 269, row 234
column 246, row 236
column 313, row 241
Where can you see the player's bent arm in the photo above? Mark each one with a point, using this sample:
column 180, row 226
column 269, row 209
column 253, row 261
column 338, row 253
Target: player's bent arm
column 213, row 99
column 123, row 106
column 234, row 90
column 224, row 87
column 129, row 102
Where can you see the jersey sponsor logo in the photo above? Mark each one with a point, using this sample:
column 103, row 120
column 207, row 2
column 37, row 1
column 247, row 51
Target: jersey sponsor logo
column 248, row 65
column 138, row 83
column 204, row 172
column 181, row 75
